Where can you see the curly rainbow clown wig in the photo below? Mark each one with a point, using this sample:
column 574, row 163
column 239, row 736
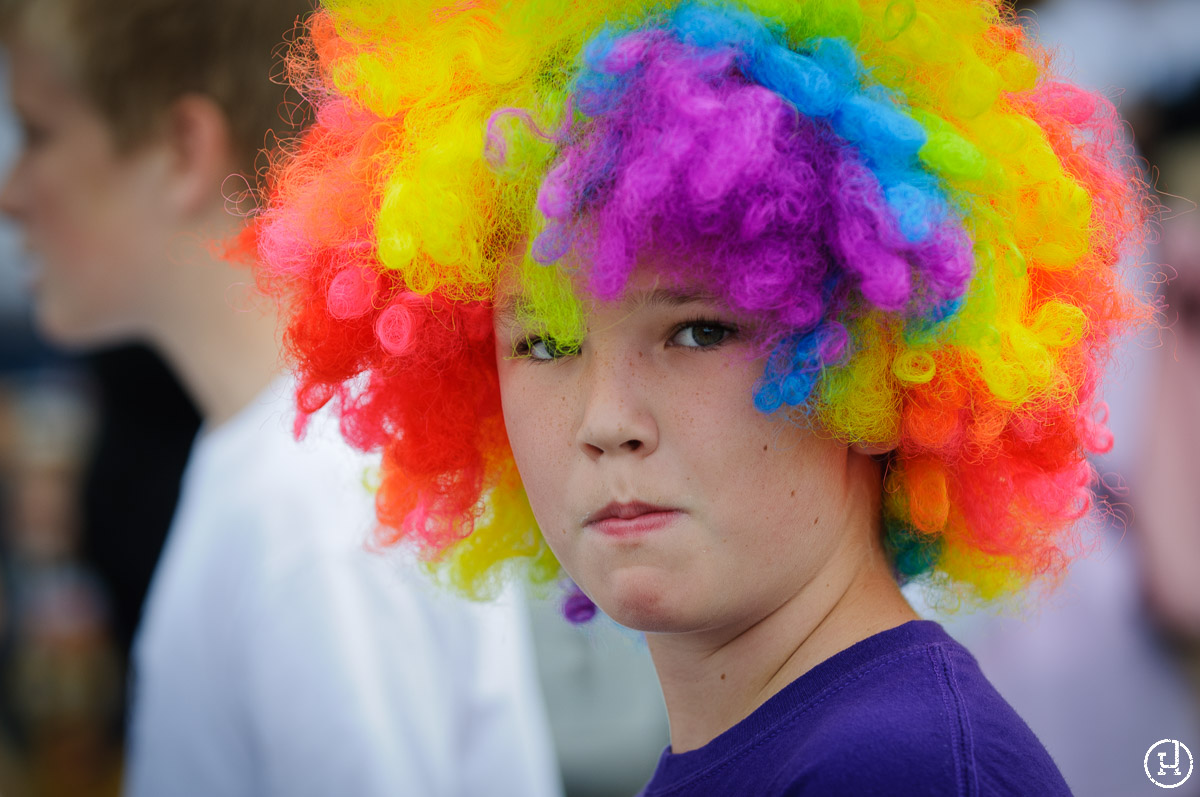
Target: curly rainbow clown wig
column 927, row 221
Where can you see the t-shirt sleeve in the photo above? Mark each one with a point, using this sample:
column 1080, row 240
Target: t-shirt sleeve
column 359, row 681
column 931, row 726
column 348, row 689
column 898, row 768
column 1008, row 757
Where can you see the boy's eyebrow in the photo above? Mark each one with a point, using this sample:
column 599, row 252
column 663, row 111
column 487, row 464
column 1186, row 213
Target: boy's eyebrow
column 511, row 308
column 671, row 297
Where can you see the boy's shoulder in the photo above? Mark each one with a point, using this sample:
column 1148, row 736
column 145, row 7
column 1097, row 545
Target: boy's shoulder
column 906, row 711
column 917, row 716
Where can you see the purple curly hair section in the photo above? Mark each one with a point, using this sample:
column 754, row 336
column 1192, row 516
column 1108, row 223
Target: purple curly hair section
column 695, row 155
column 578, row 608
column 724, row 181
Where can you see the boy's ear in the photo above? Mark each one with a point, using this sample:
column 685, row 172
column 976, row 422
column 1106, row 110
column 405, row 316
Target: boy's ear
column 201, row 144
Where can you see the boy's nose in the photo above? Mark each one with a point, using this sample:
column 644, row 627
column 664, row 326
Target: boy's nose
column 617, row 417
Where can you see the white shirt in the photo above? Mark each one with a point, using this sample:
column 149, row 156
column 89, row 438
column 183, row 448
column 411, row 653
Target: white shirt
column 276, row 656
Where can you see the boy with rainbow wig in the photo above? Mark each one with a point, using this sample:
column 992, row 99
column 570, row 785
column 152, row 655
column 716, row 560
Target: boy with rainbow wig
column 744, row 312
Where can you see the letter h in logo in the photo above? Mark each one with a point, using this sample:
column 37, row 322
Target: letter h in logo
column 1163, row 766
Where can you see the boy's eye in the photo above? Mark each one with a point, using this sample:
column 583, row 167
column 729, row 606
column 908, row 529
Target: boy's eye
column 701, row 334
column 540, row 349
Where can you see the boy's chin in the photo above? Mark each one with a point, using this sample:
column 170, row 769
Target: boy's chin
column 645, row 603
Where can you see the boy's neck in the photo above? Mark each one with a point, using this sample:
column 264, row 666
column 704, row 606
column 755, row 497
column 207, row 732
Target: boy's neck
column 214, row 328
column 713, row 680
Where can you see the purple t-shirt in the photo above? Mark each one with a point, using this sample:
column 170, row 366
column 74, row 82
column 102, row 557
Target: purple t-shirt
column 903, row 712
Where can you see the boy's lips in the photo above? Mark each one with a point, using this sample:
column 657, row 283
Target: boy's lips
column 630, row 519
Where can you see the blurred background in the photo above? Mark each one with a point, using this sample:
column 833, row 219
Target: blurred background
column 92, row 449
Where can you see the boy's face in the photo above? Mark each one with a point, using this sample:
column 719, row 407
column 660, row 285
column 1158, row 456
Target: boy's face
column 673, row 502
column 91, row 216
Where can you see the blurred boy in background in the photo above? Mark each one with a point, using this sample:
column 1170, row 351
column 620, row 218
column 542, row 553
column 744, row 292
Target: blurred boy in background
column 1166, row 503
column 1112, row 664
column 274, row 655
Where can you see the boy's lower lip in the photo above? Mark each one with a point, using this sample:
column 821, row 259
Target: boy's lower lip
column 636, row 526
